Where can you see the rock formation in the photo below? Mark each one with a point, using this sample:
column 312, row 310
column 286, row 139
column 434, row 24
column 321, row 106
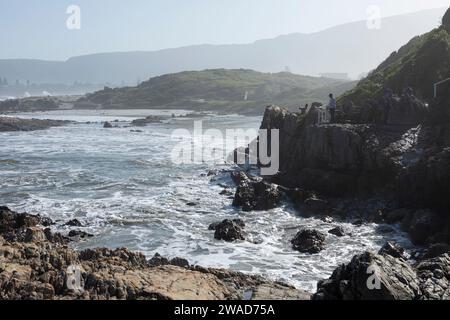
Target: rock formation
column 255, row 194
column 309, row 241
column 34, row 266
column 17, row 124
column 229, row 230
column 371, row 277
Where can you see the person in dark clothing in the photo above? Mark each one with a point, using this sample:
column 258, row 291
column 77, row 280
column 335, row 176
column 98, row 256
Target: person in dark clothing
column 332, row 107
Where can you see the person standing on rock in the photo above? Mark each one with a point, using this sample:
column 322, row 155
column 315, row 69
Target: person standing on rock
column 332, row 107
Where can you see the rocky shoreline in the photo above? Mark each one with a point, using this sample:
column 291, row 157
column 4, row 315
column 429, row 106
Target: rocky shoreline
column 37, row 264
column 16, row 124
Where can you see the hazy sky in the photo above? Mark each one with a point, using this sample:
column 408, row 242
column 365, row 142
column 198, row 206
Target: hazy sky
column 37, row 28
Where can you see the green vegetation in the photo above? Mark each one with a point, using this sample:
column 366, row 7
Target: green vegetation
column 221, row 90
column 419, row 64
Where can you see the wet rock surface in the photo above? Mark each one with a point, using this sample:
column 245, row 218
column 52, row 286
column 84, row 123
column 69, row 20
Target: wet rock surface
column 434, row 275
column 309, row 241
column 392, row 249
column 229, row 230
column 17, row 124
column 338, row 232
column 405, row 160
column 255, row 194
column 146, row 121
column 38, row 267
column 371, row 277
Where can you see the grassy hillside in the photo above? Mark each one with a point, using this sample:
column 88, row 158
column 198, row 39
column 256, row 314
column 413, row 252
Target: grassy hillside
column 221, row 90
column 419, row 64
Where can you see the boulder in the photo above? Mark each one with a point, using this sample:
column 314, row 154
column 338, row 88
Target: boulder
column 73, row 223
column 146, row 121
column 79, row 234
column 158, row 260
column 338, row 232
column 422, row 225
column 14, row 226
column 179, row 262
column 238, row 177
column 229, row 231
column 254, row 194
column 107, row 125
column 371, row 277
column 309, row 241
column 395, row 216
column 392, row 249
column 316, row 205
column 434, row 275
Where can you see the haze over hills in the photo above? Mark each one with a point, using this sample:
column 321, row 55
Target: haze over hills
column 351, row 48
column 222, row 90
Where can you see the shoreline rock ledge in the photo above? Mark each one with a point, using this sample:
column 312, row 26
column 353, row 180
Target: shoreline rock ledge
column 36, row 265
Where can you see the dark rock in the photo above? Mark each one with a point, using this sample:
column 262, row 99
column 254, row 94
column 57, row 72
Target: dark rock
column 446, row 20
column 316, row 205
column 385, row 229
column 229, row 231
column 14, row 225
column 211, row 173
column 179, row 262
column 191, row 204
column 17, row 124
column 226, row 192
column 158, row 260
column 55, row 237
column 436, row 250
column 238, row 177
column 338, row 232
column 107, row 125
column 434, row 275
column 79, row 234
column 371, row 277
column 392, row 249
column 73, row 223
column 309, row 241
column 395, row 216
column 297, row 196
column 422, row 225
column 146, row 121
column 256, row 195
column 213, row 226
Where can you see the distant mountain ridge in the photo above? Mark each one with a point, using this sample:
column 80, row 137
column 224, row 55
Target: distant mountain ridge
column 351, row 48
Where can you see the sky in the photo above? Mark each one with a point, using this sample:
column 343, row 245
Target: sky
column 38, row 28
